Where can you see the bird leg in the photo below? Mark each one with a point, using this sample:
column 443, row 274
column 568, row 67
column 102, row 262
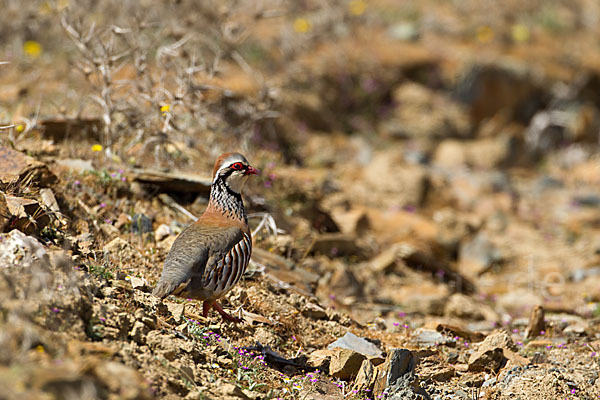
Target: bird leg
column 225, row 316
column 206, row 306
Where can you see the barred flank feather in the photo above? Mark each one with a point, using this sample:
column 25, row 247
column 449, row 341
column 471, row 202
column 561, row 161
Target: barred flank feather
column 230, row 269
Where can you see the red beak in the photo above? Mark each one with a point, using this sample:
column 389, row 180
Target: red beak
column 251, row 171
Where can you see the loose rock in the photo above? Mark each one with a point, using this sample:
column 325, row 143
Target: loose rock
column 366, row 377
column 352, row 342
column 461, row 306
column 493, row 353
column 320, row 359
column 314, row 311
column 177, row 310
column 162, row 232
column 345, row 363
column 18, row 169
column 429, row 338
column 141, row 224
column 139, row 283
column 536, row 322
column 397, row 370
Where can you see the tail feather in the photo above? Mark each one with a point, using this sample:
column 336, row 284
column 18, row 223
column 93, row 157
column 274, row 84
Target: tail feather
column 162, row 289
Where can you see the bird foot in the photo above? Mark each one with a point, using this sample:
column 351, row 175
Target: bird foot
column 206, row 306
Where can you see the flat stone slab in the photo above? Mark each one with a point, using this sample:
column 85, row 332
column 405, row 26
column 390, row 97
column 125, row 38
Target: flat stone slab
column 18, row 169
column 352, row 342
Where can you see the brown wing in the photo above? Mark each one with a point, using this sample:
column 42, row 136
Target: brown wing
column 186, row 264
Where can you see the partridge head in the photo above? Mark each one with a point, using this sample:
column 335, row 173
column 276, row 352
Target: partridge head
column 210, row 256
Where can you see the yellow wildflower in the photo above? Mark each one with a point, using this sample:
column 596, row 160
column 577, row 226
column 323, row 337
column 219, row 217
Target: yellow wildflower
column 485, row 34
column 302, row 25
column 45, row 8
column 62, row 4
column 20, row 387
column 39, row 348
column 520, row 33
column 165, row 109
column 97, row 147
column 20, row 128
column 357, row 7
column 32, row 49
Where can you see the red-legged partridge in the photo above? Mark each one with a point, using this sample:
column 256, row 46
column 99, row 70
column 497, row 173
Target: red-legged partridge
column 210, row 256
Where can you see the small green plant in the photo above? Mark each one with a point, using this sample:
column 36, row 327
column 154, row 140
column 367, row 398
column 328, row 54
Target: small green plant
column 247, row 368
column 94, row 329
column 51, row 233
column 100, row 271
column 110, row 181
column 364, row 394
column 248, row 375
column 549, row 19
column 201, row 333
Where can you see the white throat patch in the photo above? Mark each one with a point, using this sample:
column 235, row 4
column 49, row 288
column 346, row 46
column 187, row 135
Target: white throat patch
column 236, row 181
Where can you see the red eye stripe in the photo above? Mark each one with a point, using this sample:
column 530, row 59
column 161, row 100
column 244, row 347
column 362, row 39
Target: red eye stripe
column 237, row 166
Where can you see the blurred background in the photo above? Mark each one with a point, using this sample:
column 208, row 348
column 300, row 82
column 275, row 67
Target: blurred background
column 423, row 161
column 176, row 78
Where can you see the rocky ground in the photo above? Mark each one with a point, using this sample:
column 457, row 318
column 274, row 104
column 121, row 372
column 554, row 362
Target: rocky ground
column 426, row 223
